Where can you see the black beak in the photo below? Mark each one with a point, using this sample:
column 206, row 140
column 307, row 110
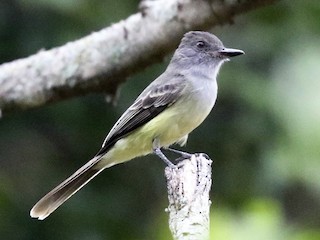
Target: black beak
column 230, row 52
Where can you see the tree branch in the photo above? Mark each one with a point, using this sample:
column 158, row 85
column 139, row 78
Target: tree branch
column 102, row 60
column 188, row 192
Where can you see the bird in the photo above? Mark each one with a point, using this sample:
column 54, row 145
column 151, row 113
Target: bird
column 165, row 112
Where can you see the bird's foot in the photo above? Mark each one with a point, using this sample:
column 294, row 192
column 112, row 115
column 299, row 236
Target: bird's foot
column 183, row 155
column 163, row 157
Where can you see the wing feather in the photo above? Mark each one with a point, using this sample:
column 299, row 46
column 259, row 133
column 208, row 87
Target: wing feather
column 149, row 104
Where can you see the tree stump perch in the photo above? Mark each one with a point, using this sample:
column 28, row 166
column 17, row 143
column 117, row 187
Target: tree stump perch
column 188, row 192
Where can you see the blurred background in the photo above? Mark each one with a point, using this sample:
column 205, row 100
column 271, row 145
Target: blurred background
column 263, row 134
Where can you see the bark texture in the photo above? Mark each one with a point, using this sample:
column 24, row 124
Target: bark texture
column 188, row 192
column 102, row 60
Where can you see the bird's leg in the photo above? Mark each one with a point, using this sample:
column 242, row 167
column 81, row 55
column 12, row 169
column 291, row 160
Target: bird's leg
column 184, row 155
column 159, row 153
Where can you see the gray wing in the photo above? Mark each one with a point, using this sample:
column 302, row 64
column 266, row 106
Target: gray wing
column 151, row 102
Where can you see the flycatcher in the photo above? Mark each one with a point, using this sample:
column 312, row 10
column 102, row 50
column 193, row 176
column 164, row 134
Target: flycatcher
column 163, row 114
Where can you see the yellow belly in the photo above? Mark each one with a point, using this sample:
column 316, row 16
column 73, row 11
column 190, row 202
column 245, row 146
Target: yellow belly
column 168, row 127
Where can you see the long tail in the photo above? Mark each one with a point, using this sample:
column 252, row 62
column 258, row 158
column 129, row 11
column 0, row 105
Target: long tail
column 52, row 200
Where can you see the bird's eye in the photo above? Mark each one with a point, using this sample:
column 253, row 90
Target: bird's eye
column 200, row 44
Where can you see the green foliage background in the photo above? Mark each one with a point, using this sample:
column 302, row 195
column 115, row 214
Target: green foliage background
column 263, row 134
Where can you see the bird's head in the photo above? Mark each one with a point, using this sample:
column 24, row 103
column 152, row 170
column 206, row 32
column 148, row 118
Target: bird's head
column 199, row 47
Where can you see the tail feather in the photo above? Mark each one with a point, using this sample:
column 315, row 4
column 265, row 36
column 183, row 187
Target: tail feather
column 52, row 200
